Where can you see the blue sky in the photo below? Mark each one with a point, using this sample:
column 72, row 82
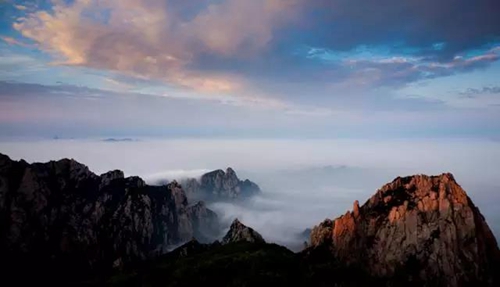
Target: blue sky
column 239, row 68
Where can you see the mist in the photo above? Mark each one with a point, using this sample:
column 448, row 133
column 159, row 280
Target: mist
column 302, row 181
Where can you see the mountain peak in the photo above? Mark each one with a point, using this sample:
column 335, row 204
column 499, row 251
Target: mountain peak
column 420, row 191
column 237, row 225
column 4, row 158
column 423, row 226
column 239, row 232
column 230, row 171
column 219, row 184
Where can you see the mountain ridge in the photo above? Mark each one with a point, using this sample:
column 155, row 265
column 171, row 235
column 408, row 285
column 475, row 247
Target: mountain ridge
column 62, row 214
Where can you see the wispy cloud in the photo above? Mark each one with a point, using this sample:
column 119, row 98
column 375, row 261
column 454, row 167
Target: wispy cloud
column 118, row 84
column 12, row 64
column 121, row 89
column 473, row 92
column 21, row 7
column 401, row 70
column 13, row 41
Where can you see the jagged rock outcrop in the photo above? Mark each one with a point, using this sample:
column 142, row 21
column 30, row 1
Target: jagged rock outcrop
column 205, row 224
column 322, row 233
column 239, row 232
column 419, row 229
column 63, row 214
column 217, row 185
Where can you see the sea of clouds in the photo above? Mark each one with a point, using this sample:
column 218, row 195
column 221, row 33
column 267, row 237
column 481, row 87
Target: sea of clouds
column 303, row 181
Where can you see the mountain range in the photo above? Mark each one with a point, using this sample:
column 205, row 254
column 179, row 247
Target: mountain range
column 63, row 224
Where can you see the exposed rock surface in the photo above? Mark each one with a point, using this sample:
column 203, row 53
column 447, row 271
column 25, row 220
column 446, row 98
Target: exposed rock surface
column 218, row 184
column 205, row 224
column 322, row 233
column 239, row 232
column 420, row 229
column 61, row 213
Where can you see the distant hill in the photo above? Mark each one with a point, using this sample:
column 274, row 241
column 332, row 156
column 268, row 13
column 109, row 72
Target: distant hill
column 119, row 140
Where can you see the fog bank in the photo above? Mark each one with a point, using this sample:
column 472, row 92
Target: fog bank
column 303, row 181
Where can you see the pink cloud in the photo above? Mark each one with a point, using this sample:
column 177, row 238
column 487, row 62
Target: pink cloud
column 12, row 41
column 144, row 38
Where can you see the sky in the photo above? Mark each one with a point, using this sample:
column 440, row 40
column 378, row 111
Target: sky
column 296, row 69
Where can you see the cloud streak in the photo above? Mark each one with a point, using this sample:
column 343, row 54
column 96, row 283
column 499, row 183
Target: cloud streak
column 437, row 29
column 68, row 110
column 402, row 70
column 12, row 41
column 473, row 92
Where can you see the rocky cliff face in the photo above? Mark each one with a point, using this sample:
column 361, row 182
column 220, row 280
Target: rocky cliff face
column 217, row 185
column 419, row 229
column 205, row 224
column 63, row 214
column 238, row 232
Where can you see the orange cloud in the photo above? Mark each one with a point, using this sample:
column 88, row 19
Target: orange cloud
column 146, row 39
column 239, row 26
